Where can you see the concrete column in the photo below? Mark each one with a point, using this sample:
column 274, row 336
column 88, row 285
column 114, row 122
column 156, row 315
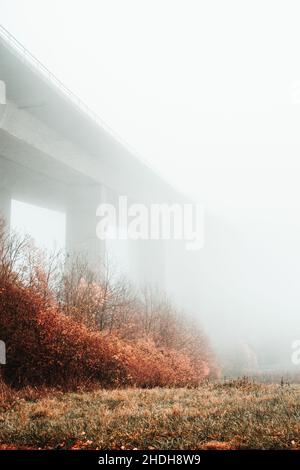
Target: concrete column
column 81, row 223
column 5, row 195
column 2, row 101
column 152, row 263
column 5, row 205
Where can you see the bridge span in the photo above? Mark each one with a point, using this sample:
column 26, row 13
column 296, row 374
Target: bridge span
column 58, row 154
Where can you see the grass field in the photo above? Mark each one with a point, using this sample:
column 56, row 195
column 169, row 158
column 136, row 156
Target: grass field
column 215, row 416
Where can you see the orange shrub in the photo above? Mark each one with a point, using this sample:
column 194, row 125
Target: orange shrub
column 70, row 328
column 44, row 347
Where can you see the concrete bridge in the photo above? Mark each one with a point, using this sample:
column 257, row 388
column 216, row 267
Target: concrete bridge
column 56, row 153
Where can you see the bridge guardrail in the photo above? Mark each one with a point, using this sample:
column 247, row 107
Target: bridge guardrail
column 25, row 54
column 38, row 66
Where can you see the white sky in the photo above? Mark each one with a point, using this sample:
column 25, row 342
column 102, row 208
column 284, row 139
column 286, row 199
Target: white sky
column 207, row 91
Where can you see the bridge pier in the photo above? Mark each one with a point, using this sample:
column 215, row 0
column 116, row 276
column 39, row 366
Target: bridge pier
column 5, row 205
column 152, row 263
column 81, row 222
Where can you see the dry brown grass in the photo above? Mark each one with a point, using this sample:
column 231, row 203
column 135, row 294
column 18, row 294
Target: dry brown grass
column 214, row 416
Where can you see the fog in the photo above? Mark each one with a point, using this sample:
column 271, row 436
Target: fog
column 208, row 93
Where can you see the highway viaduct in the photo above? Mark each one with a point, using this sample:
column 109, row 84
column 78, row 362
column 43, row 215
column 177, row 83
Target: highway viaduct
column 57, row 154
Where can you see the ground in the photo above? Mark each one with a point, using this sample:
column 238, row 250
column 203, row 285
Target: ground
column 214, row 416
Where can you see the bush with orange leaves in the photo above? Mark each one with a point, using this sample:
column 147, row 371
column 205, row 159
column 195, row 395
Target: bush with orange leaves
column 50, row 341
column 44, row 347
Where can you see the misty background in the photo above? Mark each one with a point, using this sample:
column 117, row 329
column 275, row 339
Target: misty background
column 208, row 93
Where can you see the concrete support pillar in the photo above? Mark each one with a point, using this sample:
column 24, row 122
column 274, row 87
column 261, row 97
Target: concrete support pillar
column 81, row 223
column 2, row 101
column 5, row 194
column 5, row 205
column 152, row 263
